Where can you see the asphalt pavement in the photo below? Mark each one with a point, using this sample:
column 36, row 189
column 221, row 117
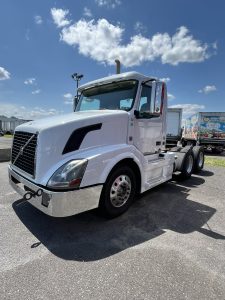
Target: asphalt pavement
column 5, row 143
column 5, row 148
column 169, row 245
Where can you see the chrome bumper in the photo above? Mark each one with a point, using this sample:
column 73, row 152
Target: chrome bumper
column 57, row 204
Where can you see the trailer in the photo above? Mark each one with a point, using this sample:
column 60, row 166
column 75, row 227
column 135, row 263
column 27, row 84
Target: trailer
column 110, row 149
column 174, row 129
column 206, row 129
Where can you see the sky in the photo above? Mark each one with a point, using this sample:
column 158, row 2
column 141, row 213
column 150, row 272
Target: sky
column 42, row 43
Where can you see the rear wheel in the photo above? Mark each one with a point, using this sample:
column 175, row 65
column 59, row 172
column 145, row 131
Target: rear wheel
column 187, row 166
column 118, row 192
column 183, row 143
column 199, row 157
column 217, row 150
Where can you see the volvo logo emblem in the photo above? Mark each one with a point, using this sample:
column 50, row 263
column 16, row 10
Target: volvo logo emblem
column 21, row 150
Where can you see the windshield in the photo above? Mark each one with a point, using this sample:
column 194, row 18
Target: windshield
column 116, row 95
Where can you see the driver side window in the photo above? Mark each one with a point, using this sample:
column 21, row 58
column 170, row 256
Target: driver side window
column 151, row 106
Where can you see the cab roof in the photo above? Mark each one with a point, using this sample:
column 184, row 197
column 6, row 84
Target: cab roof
column 116, row 77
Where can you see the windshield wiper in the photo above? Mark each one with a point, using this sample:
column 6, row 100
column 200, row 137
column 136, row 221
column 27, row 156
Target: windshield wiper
column 144, row 82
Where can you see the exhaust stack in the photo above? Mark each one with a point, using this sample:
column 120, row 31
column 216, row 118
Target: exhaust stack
column 117, row 66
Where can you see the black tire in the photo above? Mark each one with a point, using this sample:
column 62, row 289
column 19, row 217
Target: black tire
column 124, row 177
column 183, row 143
column 217, row 151
column 187, row 166
column 199, row 158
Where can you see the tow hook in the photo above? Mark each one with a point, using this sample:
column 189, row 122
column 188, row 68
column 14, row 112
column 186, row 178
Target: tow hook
column 39, row 193
column 30, row 194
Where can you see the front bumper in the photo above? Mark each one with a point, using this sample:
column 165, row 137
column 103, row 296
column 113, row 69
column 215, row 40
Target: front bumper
column 56, row 204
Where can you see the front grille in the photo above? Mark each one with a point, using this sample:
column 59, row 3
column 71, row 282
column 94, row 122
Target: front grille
column 26, row 160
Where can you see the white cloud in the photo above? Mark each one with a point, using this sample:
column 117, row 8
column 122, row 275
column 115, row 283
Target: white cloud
column 4, row 74
column 171, row 96
column 214, row 45
column 189, row 109
column 11, row 109
column 30, row 81
column 36, row 92
column 181, row 47
column 38, row 20
column 139, row 27
column 59, row 17
column 165, row 79
column 68, row 98
column 94, row 40
column 68, row 95
column 27, row 35
column 108, row 3
column 208, row 89
column 87, row 12
column 102, row 41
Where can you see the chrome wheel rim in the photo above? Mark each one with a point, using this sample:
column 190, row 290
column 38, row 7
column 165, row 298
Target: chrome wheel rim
column 120, row 190
column 190, row 164
column 200, row 160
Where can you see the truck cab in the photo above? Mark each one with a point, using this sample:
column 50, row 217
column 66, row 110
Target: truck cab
column 144, row 100
column 110, row 149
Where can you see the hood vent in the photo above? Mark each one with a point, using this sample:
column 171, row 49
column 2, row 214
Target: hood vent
column 77, row 137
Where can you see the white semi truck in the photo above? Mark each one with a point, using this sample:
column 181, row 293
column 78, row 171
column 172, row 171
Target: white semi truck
column 103, row 154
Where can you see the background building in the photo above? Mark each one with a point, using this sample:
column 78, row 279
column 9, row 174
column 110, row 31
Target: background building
column 9, row 124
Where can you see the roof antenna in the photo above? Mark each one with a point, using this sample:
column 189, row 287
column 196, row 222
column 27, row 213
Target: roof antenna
column 117, row 66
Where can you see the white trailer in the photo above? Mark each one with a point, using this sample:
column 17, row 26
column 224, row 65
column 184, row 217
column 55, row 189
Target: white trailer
column 174, row 130
column 102, row 155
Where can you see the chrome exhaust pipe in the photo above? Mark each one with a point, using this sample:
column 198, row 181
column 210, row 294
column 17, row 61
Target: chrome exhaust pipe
column 117, row 66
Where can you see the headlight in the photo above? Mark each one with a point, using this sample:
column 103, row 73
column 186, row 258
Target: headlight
column 69, row 175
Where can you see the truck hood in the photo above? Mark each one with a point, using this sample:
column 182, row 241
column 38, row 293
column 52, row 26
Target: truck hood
column 72, row 118
column 82, row 131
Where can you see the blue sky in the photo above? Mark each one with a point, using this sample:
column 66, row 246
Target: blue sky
column 43, row 42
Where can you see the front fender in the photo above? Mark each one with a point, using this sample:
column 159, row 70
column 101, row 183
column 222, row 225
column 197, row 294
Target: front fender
column 104, row 160
column 101, row 161
column 115, row 160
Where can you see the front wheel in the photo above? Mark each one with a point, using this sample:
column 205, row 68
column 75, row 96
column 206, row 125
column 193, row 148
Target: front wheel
column 118, row 192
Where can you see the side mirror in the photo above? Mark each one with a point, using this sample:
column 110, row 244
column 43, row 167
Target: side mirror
column 75, row 102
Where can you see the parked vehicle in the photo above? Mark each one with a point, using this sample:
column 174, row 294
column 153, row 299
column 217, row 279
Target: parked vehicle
column 174, row 130
column 1, row 133
column 103, row 154
column 206, row 129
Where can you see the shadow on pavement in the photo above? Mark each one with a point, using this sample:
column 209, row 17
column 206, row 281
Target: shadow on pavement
column 89, row 237
column 205, row 173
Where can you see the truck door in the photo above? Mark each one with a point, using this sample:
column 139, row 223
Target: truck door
column 149, row 125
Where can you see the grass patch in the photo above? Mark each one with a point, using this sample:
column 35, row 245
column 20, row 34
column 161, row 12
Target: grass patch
column 8, row 135
column 215, row 162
